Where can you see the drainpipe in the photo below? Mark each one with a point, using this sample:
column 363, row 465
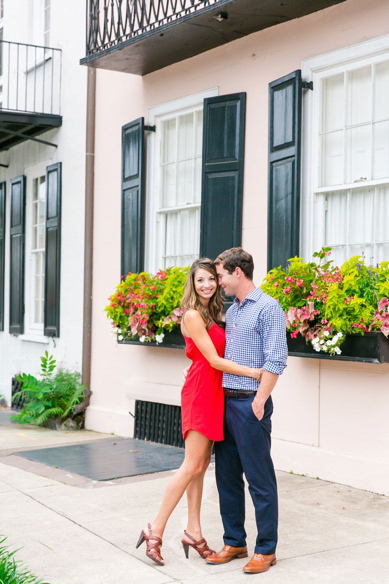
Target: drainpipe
column 88, row 242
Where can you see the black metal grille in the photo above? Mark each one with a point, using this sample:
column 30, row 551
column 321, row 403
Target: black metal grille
column 110, row 22
column 18, row 403
column 158, row 423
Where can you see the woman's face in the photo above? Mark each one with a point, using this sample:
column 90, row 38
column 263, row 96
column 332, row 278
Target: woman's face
column 205, row 284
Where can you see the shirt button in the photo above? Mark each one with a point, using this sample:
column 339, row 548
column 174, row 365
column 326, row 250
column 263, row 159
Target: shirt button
column 229, row 355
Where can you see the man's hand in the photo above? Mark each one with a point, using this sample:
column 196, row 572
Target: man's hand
column 185, row 373
column 258, row 406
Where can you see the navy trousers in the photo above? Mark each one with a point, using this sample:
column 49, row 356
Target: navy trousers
column 246, row 449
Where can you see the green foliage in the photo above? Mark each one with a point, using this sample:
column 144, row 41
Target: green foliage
column 323, row 302
column 145, row 306
column 51, row 397
column 13, row 571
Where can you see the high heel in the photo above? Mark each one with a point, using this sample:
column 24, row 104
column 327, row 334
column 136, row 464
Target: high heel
column 153, row 550
column 200, row 546
column 185, row 545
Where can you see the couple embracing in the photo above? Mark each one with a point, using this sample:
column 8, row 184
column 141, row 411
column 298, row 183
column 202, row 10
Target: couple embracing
column 226, row 400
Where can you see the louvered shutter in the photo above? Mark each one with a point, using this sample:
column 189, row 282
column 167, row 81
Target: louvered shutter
column 17, row 255
column 2, row 252
column 132, row 197
column 222, row 174
column 53, row 250
column 284, row 169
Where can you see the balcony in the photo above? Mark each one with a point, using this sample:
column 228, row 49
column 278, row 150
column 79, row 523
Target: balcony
column 30, row 92
column 141, row 36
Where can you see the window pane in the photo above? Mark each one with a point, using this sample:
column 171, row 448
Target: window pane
column 185, row 136
column 169, row 185
column 41, row 242
column 199, row 133
column 361, row 225
column 359, row 96
column 34, row 237
column 381, row 91
column 336, row 218
column 34, row 213
column 381, row 149
column 358, row 153
column 169, row 141
column 382, row 214
column 185, row 182
column 333, row 103
column 197, row 185
column 332, row 148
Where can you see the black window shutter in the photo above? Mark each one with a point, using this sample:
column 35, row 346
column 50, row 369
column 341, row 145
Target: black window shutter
column 2, row 252
column 17, row 253
column 53, row 250
column 222, row 174
column 132, row 197
column 284, row 169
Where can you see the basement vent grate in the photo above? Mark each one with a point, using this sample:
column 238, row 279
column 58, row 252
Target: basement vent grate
column 18, row 403
column 158, row 423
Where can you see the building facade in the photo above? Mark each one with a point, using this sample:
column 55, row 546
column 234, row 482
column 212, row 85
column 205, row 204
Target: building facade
column 42, row 185
column 192, row 156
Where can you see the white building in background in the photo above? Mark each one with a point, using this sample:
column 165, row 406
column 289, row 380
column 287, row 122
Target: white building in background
column 42, row 185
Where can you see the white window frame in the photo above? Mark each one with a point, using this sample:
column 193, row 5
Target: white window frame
column 315, row 69
column 155, row 116
column 34, row 333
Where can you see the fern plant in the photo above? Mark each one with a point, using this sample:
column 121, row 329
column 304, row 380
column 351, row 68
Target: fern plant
column 52, row 397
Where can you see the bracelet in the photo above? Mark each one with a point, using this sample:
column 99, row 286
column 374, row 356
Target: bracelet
column 256, row 373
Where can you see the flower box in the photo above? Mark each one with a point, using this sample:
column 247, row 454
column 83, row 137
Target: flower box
column 172, row 340
column 368, row 348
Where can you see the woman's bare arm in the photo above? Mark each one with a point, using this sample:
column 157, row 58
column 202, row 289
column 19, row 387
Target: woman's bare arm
column 197, row 331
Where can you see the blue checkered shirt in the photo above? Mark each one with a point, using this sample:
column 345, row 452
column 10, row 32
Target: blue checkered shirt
column 256, row 337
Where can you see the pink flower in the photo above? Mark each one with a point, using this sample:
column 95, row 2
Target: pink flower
column 294, row 335
column 287, row 290
column 276, row 284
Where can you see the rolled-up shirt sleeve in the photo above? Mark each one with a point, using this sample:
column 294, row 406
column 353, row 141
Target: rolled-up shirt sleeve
column 272, row 328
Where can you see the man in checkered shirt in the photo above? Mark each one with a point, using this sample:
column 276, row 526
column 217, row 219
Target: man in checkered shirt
column 255, row 336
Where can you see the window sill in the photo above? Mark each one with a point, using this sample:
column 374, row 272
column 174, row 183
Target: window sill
column 368, row 348
column 31, row 338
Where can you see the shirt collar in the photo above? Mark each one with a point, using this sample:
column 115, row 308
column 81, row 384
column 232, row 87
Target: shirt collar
column 253, row 296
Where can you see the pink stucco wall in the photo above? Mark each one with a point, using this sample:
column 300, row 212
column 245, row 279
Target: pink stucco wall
column 330, row 417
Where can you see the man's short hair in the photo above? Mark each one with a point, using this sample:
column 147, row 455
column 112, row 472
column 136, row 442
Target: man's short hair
column 236, row 257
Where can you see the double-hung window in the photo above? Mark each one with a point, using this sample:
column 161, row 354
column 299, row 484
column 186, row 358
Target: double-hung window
column 174, row 192
column 347, row 170
column 37, row 269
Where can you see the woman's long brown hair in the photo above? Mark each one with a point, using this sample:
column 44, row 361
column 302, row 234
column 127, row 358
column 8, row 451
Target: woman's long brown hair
column 212, row 312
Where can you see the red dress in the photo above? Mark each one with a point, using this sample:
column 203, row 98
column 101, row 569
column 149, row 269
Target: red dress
column 202, row 396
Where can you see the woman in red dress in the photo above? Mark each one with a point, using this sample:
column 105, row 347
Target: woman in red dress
column 202, row 401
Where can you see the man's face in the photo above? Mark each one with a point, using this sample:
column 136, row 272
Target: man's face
column 228, row 282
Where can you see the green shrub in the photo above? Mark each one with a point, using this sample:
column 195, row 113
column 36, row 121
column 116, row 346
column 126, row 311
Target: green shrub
column 52, row 397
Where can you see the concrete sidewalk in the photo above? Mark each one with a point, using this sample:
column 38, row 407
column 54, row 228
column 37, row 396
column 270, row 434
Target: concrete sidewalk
column 73, row 530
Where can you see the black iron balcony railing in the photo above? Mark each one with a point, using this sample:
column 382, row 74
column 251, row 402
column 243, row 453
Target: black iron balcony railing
column 142, row 36
column 111, row 22
column 30, row 78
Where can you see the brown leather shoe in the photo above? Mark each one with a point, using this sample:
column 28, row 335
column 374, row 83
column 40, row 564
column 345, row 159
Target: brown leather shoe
column 260, row 563
column 226, row 554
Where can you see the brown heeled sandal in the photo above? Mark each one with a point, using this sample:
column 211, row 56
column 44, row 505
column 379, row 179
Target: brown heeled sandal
column 200, row 546
column 153, row 550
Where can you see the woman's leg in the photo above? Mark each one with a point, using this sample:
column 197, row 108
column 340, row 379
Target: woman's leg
column 197, row 451
column 194, row 493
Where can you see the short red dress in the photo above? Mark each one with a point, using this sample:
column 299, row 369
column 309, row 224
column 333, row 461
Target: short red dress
column 202, row 396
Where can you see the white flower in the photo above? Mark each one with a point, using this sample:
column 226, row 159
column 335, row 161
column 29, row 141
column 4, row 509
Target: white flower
column 326, row 334
column 337, row 350
column 120, row 337
column 159, row 338
column 317, row 348
column 142, row 339
column 322, row 342
column 119, row 330
column 340, row 335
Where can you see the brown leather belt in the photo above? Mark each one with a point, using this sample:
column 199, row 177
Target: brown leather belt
column 237, row 393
